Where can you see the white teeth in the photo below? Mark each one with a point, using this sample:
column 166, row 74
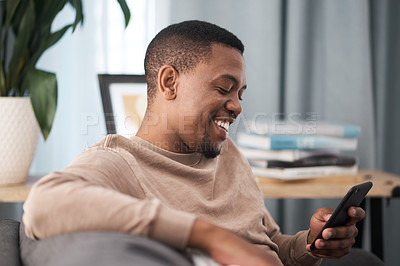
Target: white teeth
column 226, row 126
column 222, row 124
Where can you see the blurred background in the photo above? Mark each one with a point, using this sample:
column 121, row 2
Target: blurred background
column 338, row 59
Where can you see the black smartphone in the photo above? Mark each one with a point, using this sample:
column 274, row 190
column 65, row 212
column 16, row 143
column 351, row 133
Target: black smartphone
column 354, row 197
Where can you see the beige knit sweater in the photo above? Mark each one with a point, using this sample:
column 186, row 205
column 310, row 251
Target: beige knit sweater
column 132, row 186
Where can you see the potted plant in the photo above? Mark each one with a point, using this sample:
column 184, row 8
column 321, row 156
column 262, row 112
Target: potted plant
column 28, row 96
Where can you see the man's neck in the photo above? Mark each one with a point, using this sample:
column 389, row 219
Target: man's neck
column 155, row 130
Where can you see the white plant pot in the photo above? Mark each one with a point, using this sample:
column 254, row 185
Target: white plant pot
column 18, row 139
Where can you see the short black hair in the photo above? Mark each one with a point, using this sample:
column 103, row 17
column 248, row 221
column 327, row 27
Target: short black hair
column 183, row 45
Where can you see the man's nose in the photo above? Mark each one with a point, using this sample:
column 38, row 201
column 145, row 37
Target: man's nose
column 234, row 105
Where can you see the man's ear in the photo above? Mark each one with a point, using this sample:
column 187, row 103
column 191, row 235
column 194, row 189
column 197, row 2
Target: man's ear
column 167, row 80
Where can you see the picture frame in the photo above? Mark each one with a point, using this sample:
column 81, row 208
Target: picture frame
column 124, row 99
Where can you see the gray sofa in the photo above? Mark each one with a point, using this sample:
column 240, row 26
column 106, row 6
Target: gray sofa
column 106, row 248
column 9, row 243
column 86, row 249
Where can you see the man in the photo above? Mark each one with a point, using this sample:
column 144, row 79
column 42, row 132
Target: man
column 181, row 181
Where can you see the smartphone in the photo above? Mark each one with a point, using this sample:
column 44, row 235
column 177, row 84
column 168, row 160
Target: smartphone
column 354, row 197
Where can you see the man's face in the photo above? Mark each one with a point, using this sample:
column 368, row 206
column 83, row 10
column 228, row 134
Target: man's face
column 208, row 101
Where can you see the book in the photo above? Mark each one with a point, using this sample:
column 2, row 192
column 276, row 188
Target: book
column 293, row 142
column 292, row 127
column 317, row 160
column 304, row 172
column 282, row 155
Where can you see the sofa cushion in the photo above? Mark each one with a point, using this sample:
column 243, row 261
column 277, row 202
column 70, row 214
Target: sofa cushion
column 97, row 249
column 9, row 243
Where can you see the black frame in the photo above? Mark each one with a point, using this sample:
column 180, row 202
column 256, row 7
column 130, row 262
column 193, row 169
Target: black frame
column 105, row 80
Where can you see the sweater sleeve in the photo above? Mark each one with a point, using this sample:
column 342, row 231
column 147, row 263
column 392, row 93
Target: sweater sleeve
column 99, row 192
column 291, row 249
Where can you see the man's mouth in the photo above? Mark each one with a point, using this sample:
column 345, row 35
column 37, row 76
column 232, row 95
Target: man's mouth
column 222, row 123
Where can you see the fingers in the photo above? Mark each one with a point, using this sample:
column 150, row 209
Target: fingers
column 356, row 214
column 330, row 253
column 334, row 248
column 336, row 242
column 323, row 244
column 349, row 231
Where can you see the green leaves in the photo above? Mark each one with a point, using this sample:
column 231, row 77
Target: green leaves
column 11, row 7
column 77, row 4
column 125, row 10
column 2, row 82
column 26, row 25
column 43, row 94
column 20, row 52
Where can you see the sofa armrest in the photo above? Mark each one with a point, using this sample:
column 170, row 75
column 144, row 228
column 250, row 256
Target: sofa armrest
column 9, row 243
column 99, row 248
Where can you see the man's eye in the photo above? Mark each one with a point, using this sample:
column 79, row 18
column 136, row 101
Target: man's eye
column 223, row 91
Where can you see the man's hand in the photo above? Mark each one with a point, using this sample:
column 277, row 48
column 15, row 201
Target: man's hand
column 337, row 241
column 227, row 248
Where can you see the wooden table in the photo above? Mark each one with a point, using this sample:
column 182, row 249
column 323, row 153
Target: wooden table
column 17, row 192
column 385, row 186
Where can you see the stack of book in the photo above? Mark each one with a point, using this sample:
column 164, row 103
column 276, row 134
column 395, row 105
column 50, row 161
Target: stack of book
column 300, row 150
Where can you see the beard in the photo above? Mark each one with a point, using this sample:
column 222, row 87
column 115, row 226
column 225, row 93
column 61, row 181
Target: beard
column 208, row 149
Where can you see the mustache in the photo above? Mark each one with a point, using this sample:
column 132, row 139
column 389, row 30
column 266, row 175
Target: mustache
column 224, row 115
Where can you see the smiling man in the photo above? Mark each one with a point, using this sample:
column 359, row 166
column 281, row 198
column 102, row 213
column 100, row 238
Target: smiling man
column 180, row 181
column 195, row 82
column 198, row 103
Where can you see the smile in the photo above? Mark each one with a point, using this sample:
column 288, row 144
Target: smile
column 222, row 123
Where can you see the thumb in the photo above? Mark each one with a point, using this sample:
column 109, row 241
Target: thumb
column 323, row 214
column 318, row 220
